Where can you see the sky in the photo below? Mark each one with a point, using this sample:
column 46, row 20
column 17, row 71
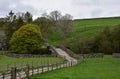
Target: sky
column 79, row 9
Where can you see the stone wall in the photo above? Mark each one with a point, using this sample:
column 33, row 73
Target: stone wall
column 28, row 55
column 98, row 55
column 116, row 55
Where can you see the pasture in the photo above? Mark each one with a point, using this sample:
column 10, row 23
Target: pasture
column 6, row 63
column 85, row 28
column 91, row 68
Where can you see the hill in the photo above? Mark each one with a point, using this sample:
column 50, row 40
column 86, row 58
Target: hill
column 85, row 28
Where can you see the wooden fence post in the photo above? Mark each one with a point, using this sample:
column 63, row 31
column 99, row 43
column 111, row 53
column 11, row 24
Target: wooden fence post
column 62, row 64
column 56, row 65
column 32, row 70
column 37, row 67
column 7, row 67
column 3, row 75
column 13, row 73
column 42, row 69
column 27, row 73
column 48, row 66
column 52, row 66
column 65, row 65
column 71, row 63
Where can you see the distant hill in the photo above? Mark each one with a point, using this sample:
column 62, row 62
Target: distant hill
column 85, row 28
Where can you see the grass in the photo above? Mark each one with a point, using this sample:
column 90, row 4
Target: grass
column 7, row 62
column 91, row 68
column 85, row 28
column 94, row 25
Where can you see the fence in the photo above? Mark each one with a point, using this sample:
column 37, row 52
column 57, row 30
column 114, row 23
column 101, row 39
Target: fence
column 29, row 70
column 22, row 63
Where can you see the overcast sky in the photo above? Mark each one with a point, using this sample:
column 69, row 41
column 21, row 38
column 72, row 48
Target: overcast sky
column 77, row 8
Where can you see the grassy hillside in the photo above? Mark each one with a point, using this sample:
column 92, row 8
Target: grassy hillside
column 84, row 28
column 92, row 68
column 90, row 27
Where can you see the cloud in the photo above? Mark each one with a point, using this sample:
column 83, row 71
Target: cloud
column 97, row 12
column 97, row 8
column 77, row 8
column 15, row 5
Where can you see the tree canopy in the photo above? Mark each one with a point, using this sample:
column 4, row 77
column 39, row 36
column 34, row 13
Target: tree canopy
column 27, row 39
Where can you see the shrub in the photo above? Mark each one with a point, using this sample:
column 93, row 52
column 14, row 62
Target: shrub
column 27, row 39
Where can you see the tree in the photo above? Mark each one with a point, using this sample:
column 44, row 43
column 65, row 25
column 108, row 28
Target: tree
column 102, row 42
column 27, row 39
column 11, row 16
column 28, row 17
column 66, row 23
column 115, row 36
column 11, row 27
column 45, row 24
column 62, row 23
column 55, row 16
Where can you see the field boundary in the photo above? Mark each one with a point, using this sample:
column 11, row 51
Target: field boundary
column 26, row 72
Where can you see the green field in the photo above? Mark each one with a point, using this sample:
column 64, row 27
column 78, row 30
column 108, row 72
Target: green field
column 86, row 28
column 91, row 68
column 7, row 62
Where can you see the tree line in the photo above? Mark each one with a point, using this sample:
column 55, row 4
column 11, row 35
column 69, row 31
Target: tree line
column 48, row 23
column 107, row 42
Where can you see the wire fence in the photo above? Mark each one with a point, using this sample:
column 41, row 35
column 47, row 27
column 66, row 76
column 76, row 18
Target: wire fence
column 35, row 68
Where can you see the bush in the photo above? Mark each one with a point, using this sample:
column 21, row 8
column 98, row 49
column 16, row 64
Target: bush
column 43, row 51
column 27, row 39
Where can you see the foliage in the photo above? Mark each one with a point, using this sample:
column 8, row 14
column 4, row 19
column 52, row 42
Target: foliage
column 107, row 42
column 115, row 36
column 85, row 28
column 45, row 24
column 28, row 17
column 11, row 27
column 14, row 21
column 11, row 23
column 27, row 39
column 63, row 23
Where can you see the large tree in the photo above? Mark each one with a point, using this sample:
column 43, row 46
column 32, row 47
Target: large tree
column 45, row 24
column 14, row 21
column 28, row 17
column 62, row 23
column 27, row 39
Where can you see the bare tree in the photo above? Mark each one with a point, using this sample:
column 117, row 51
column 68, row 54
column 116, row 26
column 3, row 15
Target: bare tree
column 61, row 23
column 66, row 23
column 55, row 15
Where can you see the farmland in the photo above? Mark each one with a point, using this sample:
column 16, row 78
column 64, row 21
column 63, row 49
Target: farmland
column 91, row 68
column 85, row 28
column 7, row 62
